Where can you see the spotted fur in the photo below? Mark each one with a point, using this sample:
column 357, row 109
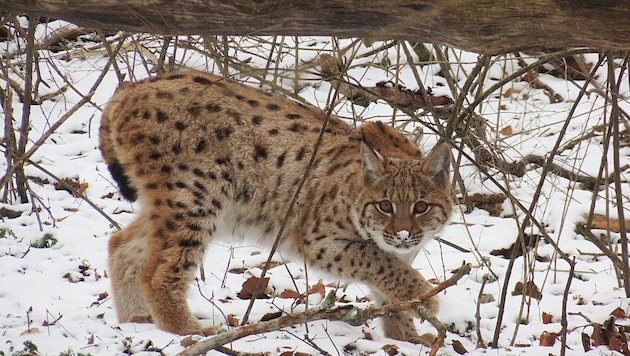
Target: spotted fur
column 207, row 157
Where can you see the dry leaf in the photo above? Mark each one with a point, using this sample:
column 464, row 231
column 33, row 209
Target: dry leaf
column 586, row 342
column 188, row 341
column 271, row 316
column 546, row 318
column 602, row 222
column 618, row 313
column 318, row 288
column 548, row 339
column 232, row 320
column 368, row 336
column 91, row 340
column 507, row 131
column 289, row 294
column 30, row 331
column 530, row 289
column 389, row 349
column 364, row 299
column 459, row 348
column 511, row 91
column 486, row 298
column 249, row 286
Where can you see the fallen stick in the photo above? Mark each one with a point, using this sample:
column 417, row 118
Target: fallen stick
column 348, row 313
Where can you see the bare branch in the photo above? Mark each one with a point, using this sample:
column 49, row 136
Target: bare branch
column 347, row 313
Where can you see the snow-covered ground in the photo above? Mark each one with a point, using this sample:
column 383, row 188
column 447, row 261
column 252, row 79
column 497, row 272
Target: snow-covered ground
column 56, row 298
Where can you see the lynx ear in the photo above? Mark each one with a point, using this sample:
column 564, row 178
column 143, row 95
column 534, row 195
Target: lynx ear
column 373, row 162
column 437, row 165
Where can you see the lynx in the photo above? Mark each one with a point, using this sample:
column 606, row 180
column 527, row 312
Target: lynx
column 208, row 157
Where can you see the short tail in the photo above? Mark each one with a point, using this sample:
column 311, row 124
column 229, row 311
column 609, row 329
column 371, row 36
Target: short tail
column 109, row 154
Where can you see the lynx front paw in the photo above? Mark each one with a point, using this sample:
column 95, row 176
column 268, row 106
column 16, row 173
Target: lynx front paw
column 427, row 339
column 141, row 319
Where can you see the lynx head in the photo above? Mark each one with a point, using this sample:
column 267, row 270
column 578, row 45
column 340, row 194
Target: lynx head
column 405, row 199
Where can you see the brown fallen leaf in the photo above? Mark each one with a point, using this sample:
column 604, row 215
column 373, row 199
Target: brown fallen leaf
column 249, row 286
column 548, row 339
column 618, row 313
column 232, row 320
column 507, row 131
column 271, row 316
column 389, row 349
column 318, row 288
column 30, row 331
column 586, row 342
column 529, row 289
column 289, row 294
column 546, row 318
column 459, row 348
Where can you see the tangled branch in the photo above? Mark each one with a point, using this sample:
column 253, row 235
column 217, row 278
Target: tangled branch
column 347, row 313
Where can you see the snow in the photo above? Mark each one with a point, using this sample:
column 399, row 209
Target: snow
column 58, row 298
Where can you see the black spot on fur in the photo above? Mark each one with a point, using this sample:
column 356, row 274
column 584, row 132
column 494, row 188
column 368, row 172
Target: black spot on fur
column 194, row 109
column 257, row 120
column 298, row 128
column 300, row 154
column 253, row 103
column 164, row 95
column 260, row 153
column 274, row 132
column 201, row 145
column 202, row 80
column 272, row 107
column 224, row 161
column 166, row 169
column 222, row 133
column 212, row 108
column 161, row 116
column 187, row 243
column 280, row 160
column 180, row 126
column 293, row 116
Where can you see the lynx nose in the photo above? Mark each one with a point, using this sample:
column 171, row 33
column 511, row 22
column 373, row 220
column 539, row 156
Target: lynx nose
column 402, row 235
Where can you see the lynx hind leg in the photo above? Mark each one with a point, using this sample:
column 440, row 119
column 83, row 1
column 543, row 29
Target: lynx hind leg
column 176, row 249
column 127, row 254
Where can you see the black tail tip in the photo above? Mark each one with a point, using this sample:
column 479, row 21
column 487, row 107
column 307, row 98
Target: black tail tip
column 124, row 185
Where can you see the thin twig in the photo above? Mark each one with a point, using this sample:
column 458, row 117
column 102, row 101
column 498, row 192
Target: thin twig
column 565, row 299
column 480, row 342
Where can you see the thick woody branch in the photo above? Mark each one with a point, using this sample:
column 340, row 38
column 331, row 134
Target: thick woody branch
column 484, row 26
column 347, row 313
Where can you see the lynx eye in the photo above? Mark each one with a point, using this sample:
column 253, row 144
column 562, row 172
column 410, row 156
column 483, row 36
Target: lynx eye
column 420, row 208
column 385, row 207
